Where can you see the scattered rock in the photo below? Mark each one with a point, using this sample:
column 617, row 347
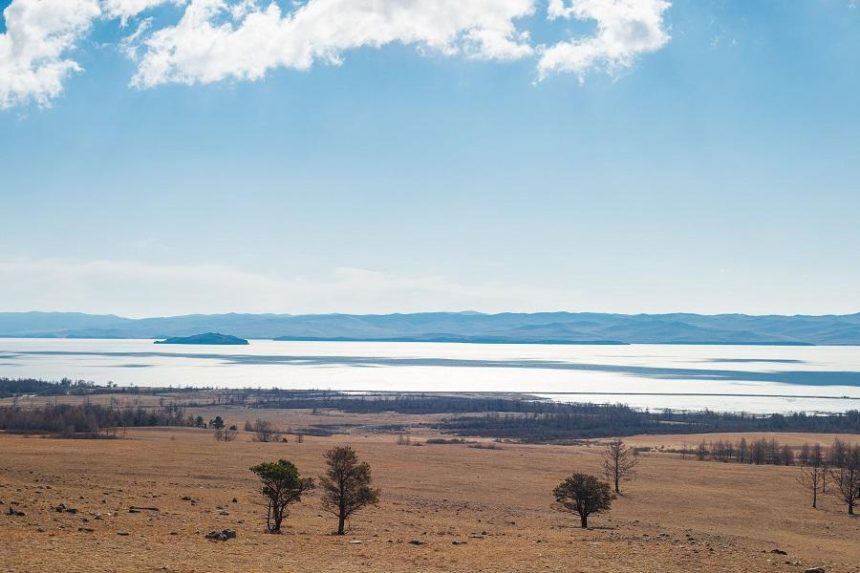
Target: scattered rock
column 778, row 552
column 122, row 533
column 815, row 570
column 417, row 542
column 222, row 535
column 456, row 542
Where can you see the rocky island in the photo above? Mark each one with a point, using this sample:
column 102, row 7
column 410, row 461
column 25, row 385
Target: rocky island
column 207, row 338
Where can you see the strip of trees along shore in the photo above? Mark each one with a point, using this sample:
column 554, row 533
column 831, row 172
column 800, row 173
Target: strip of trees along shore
column 834, row 469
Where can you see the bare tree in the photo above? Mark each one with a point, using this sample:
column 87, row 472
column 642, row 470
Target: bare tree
column 619, row 462
column 585, row 495
column 346, row 485
column 805, row 455
column 812, row 479
column 742, row 451
column 786, row 455
column 226, row 434
column 702, row 451
column 846, row 477
column 282, row 485
column 265, row 431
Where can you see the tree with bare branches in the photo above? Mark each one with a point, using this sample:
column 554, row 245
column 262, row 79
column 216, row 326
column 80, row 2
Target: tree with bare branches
column 846, row 476
column 813, row 473
column 265, row 431
column 619, row 463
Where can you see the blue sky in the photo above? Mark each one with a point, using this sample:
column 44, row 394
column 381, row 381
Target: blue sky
column 713, row 170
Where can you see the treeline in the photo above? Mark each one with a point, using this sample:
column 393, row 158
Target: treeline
column 384, row 402
column 11, row 387
column 579, row 421
column 541, row 420
column 17, row 387
column 758, row 452
column 768, row 451
column 85, row 420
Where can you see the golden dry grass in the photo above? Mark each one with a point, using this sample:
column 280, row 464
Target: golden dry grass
column 676, row 516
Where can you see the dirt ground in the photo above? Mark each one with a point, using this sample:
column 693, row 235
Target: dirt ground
column 452, row 508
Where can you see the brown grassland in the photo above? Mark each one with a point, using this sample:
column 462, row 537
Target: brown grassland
column 450, row 508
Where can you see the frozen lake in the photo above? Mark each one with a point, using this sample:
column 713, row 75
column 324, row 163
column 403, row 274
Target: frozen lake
column 748, row 378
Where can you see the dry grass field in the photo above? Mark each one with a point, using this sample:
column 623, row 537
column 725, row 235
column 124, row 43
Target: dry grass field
column 449, row 508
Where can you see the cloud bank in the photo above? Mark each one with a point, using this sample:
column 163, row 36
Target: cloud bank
column 144, row 289
column 217, row 40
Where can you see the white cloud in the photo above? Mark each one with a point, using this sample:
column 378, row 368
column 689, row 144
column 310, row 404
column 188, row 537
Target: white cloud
column 135, row 288
column 625, row 30
column 34, row 60
column 216, row 40
column 213, row 42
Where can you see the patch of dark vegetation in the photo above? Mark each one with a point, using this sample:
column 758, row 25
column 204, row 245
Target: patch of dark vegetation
column 402, row 403
column 85, row 420
column 10, row 387
column 521, row 418
column 16, row 387
column 578, row 421
column 318, row 431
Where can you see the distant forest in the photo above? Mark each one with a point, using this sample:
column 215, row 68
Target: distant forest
column 85, row 420
column 513, row 417
column 528, row 420
column 12, row 387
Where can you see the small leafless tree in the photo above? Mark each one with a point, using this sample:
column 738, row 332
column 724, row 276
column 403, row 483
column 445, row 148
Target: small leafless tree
column 226, row 434
column 265, row 431
column 619, row 462
column 346, row 485
column 742, row 451
column 812, row 478
column 846, row 477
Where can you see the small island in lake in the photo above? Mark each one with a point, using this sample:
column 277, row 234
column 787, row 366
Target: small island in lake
column 207, row 338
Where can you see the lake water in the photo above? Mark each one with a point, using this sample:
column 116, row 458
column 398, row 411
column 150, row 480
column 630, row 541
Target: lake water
column 737, row 378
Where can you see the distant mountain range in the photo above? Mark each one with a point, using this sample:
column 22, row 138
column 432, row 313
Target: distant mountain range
column 543, row 327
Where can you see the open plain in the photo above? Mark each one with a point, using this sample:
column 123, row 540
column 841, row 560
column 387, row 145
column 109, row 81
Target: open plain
column 444, row 507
